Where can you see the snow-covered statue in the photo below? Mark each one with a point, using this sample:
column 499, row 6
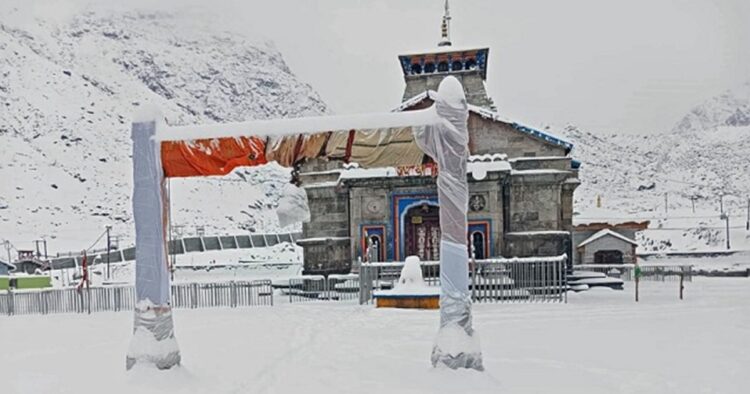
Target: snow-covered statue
column 410, row 291
column 411, row 275
column 456, row 346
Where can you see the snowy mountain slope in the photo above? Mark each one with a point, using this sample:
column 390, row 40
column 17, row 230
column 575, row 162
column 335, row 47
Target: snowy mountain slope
column 707, row 154
column 68, row 91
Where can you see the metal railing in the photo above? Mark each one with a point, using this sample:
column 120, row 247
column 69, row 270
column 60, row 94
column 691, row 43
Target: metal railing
column 118, row 298
column 519, row 280
column 226, row 294
column 318, row 287
column 178, row 247
column 532, row 279
column 650, row 272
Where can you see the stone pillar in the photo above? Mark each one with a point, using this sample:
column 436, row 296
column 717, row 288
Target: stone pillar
column 153, row 329
column 325, row 238
column 457, row 345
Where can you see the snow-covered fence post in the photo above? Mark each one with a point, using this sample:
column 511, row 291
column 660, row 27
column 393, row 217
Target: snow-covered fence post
column 153, row 329
column 457, row 345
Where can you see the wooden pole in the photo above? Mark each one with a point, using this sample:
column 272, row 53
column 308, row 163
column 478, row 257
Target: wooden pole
column 726, row 218
column 637, row 272
column 109, row 249
column 637, row 279
column 682, row 286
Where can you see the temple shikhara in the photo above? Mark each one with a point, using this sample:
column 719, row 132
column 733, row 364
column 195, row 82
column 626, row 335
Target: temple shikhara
column 521, row 181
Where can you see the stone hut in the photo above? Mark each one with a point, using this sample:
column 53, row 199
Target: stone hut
column 607, row 247
column 606, row 243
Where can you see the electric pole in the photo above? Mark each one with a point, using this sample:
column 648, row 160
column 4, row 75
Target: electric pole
column 726, row 218
column 7, row 249
column 747, row 224
column 109, row 247
column 692, row 200
column 666, row 204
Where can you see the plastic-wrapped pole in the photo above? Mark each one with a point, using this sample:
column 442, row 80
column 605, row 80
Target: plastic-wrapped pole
column 153, row 329
column 457, row 345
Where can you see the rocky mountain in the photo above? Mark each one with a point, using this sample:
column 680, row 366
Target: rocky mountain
column 633, row 177
column 731, row 108
column 69, row 87
column 68, row 90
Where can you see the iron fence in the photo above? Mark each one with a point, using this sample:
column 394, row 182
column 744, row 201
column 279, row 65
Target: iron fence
column 651, row 272
column 318, row 287
column 118, row 298
column 226, row 294
column 537, row 279
column 534, row 279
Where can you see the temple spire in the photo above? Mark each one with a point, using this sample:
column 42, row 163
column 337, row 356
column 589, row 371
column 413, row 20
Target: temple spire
column 445, row 27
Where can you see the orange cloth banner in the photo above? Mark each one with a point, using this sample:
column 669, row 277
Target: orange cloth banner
column 206, row 157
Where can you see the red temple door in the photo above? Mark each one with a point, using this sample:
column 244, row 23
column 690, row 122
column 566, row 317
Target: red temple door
column 423, row 233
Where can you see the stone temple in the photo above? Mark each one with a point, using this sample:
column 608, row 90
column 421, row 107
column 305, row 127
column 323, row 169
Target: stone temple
column 521, row 183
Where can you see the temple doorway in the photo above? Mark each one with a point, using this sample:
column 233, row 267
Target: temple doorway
column 422, row 230
column 608, row 257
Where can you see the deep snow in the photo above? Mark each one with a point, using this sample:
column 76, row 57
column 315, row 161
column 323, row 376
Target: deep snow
column 601, row 341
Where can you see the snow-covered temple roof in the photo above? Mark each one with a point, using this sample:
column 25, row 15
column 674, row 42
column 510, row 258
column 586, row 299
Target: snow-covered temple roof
column 490, row 115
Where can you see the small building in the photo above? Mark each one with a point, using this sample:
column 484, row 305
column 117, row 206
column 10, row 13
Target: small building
column 28, row 263
column 604, row 243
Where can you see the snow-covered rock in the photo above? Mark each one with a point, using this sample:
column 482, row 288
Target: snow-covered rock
column 731, row 108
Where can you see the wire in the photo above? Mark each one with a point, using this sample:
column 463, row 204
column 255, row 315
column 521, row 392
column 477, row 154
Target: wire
column 97, row 241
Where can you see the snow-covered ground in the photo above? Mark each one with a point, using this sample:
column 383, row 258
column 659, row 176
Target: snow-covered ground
column 600, row 342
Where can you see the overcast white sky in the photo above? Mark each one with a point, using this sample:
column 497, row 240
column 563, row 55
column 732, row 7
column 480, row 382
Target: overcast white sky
column 635, row 65
column 625, row 66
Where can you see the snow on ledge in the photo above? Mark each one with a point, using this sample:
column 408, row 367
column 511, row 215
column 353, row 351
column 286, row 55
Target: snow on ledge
column 148, row 112
column 533, row 259
column 539, row 172
column 604, row 233
column 303, row 125
column 323, row 239
column 539, row 158
column 545, row 232
column 478, row 166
